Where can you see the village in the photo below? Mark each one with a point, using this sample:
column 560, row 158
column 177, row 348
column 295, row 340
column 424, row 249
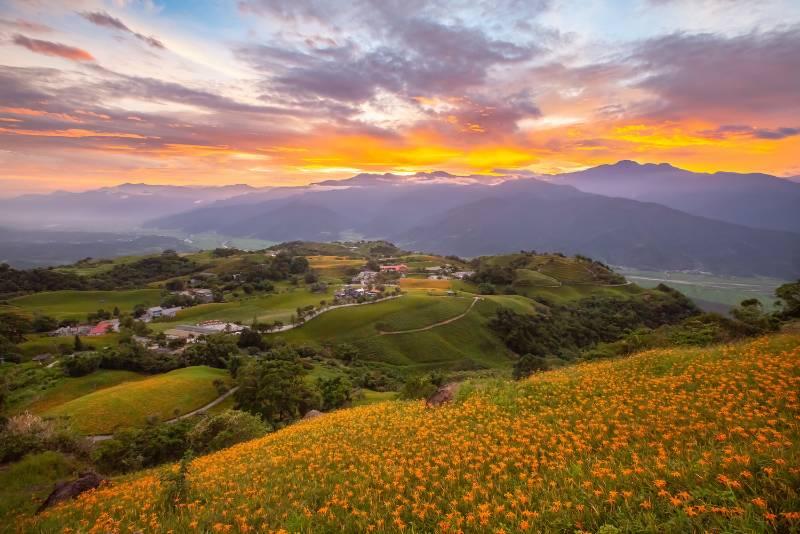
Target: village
column 367, row 286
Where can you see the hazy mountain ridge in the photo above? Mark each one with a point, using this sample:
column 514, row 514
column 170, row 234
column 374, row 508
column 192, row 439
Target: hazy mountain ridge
column 41, row 248
column 755, row 199
column 526, row 214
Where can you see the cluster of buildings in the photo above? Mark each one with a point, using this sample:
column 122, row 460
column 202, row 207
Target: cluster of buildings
column 103, row 327
column 355, row 292
column 204, row 328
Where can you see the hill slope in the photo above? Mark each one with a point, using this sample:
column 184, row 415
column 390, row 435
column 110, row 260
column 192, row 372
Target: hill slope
column 668, row 441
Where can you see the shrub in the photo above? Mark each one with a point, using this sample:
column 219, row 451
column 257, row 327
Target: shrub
column 26, row 433
column 223, row 430
column 82, row 364
column 418, row 387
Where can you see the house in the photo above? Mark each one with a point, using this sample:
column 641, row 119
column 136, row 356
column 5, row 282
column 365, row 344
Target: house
column 200, row 295
column 157, row 312
column 463, row 274
column 401, row 268
column 42, row 358
column 205, row 328
column 103, row 327
column 79, row 330
column 433, row 269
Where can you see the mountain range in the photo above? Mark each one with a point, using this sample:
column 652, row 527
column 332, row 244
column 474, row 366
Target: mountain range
column 643, row 216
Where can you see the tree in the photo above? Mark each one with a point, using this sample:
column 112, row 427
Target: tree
column 13, row 326
column 215, row 352
column 78, row 344
column 82, row 364
column 44, row 323
column 250, row 338
column 276, row 390
column 335, row 391
column 225, row 429
column 790, row 298
column 527, row 364
column 751, row 313
column 298, row 265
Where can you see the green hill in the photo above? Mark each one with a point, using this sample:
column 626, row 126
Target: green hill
column 670, row 440
column 132, row 402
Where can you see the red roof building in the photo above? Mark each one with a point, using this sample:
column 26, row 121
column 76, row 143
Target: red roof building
column 104, row 326
column 402, row 268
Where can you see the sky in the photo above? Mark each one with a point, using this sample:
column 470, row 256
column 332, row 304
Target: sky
column 281, row 92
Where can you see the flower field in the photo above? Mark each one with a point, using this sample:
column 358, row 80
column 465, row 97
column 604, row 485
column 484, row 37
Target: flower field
column 676, row 440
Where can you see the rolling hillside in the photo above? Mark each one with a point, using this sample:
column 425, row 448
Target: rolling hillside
column 672, row 440
column 132, row 402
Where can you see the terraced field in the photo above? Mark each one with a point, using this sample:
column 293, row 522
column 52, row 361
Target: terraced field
column 131, row 403
column 334, row 266
column 529, row 277
column 77, row 304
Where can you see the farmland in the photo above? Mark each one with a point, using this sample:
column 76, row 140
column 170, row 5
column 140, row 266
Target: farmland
column 686, row 440
column 131, row 403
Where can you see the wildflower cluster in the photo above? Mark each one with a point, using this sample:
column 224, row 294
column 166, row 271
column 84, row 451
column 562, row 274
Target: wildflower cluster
column 665, row 441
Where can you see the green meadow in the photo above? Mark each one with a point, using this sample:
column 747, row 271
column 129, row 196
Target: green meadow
column 77, row 304
column 132, row 402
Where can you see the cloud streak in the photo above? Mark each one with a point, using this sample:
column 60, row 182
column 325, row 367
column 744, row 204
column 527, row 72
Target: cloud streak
column 49, row 48
column 100, row 18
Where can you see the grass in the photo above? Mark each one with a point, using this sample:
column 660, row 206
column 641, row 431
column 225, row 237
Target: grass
column 265, row 308
column 368, row 397
column 700, row 440
column 44, row 344
column 462, row 344
column 68, row 389
column 78, row 304
column 131, row 403
column 25, row 484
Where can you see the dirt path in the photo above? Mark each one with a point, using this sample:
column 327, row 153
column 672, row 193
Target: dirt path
column 103, row 437
column 434, row 325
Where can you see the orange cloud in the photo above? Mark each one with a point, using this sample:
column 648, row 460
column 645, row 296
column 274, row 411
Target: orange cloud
column 50, row 48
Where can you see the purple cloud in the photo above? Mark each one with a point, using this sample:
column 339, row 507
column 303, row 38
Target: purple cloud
column 104, row 19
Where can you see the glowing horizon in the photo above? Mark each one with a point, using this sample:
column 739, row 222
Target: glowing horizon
column 279, row 92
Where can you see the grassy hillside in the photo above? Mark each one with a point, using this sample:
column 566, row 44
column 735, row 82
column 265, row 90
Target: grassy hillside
column 130, row 403
column 67, row 389
column 665, row 441
column 465, row 343
column 77, row 304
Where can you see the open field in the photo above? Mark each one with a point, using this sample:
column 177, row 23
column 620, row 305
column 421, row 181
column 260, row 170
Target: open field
column 424, row 283
column 665, row 441
column 265, row 308
column 334, row 266
column 131, row 403
column 67, row 389
column 77, row 304
column 726, row 291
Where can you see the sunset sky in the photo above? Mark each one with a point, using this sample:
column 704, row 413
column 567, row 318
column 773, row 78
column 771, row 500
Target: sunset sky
column 277, row 92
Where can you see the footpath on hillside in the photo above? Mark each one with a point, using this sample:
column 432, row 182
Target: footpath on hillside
column 434, row 325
